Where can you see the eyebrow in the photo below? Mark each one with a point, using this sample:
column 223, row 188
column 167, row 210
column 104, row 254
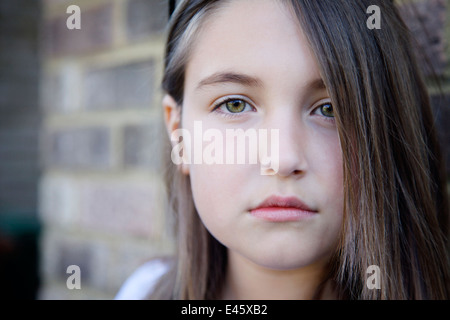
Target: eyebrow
column 249, row 81
column 230, row 77
column 316, row 85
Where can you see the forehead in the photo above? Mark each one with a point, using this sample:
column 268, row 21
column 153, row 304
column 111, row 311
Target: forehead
column 259, row 37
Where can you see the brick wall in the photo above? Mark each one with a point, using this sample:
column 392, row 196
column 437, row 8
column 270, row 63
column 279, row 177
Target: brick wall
column 100, row 194
column 19, row 127
column 101, row 190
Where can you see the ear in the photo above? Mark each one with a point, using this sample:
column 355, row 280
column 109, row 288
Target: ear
column 172, row 119
column 172, row 115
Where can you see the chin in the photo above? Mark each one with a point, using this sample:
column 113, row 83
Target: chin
column 289, row 261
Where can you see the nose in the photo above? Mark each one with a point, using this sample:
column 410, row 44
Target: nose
column 288, row 152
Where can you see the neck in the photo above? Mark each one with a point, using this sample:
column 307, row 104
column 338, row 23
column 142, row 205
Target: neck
column 249, row 281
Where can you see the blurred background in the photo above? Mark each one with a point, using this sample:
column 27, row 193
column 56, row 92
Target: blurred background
column 80, row 133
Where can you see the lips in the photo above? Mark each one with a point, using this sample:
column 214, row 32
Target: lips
column 282, row 209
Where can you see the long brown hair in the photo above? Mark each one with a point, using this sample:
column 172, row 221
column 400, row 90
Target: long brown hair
column 396, row 207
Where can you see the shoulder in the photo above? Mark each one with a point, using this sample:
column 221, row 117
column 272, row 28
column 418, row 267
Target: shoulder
column 143, row 280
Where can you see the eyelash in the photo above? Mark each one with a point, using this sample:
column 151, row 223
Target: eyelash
column 325, row 118
column 223, row 102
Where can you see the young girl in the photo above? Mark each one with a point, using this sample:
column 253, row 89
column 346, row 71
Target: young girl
column 356, row 207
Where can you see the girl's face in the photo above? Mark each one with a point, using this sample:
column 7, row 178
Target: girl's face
column 254, row 54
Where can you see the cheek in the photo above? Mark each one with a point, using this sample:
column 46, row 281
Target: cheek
column 334, row 168
column 326, row 165
column 327, row 170
column 216, row 189
column 326, row 160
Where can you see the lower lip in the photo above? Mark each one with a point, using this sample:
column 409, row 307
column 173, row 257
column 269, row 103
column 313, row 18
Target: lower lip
column 279, row 214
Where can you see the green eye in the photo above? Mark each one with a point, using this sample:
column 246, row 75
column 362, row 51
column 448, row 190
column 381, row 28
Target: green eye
column 235, row 106
column 327, row 110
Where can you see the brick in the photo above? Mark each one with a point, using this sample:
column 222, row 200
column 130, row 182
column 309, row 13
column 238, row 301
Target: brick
column 59, row 291
column 63, row 250
column 61, row 90
column 95, row 33
column 52, row 94
column 75, row 253
column 426, row 19
column 125, row 86
column 69, row 82
column 49, row 3
column 142, row 145
column 146, row 17
column 79, row 148
column 127, row 208
column 58, row 205
column 93, row 255
column 103, row 265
